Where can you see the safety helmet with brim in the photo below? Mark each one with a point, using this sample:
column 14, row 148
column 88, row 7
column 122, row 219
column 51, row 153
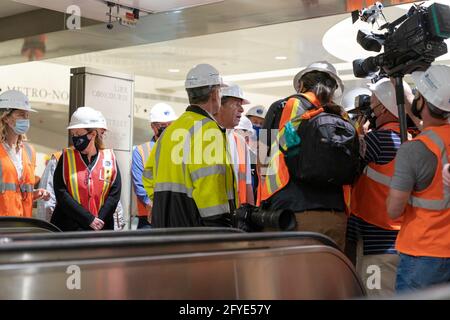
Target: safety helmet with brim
column 321, row 66
column 15, row 100
column 434, row 85
column 87, row 117
column 162, row 112
column 203, row 75
column 234, row 91
column 384, row 90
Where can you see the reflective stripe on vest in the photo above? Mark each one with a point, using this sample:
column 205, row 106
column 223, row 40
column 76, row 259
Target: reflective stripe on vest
column 277, row 175
column 107, row 174
column 144, row 151
column 371, row 189
column 89, row 187
column 29, row 152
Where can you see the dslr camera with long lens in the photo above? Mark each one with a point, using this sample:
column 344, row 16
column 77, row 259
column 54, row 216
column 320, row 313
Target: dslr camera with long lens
column 253, row 219
column 411, row 43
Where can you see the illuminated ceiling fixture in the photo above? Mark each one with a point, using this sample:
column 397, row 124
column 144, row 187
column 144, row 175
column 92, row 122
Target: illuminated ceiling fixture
column 174, row 70
column 280, row 58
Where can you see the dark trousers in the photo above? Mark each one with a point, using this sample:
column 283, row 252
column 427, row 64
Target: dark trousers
column 143, row 223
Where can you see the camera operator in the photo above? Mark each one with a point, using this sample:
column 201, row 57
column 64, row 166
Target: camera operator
column 369, row 224
column 417, row 192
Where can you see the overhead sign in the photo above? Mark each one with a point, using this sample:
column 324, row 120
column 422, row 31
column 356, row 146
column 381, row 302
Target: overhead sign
column 113, row 97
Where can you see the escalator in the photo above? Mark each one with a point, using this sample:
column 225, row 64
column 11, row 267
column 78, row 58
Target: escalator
column 175, row 264
column 16, row 225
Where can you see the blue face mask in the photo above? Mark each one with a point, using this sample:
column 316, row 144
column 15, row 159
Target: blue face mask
column 257, row 128
column 22, row 126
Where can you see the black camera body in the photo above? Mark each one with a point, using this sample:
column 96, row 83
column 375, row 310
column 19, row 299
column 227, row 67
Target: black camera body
column 412, row 46
column 254, row 219
column 362, row 110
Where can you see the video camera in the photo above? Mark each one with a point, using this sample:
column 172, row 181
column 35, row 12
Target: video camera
column 411, row 43
column 253, row 219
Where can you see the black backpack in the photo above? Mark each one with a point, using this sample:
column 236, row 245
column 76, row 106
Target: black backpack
column 273, row 117
column 328, row 152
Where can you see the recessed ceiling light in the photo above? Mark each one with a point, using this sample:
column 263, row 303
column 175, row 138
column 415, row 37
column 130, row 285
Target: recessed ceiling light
column 174, row 70
column 280, row 58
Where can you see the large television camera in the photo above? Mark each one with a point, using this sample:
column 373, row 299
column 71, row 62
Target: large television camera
column 253, row 219
column 411, row 43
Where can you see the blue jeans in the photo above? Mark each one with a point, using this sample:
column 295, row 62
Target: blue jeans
column 420, row 272
column 143, row 223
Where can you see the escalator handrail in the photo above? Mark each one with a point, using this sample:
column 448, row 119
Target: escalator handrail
column 78, row 244
column 121, row 234
column 21, row 222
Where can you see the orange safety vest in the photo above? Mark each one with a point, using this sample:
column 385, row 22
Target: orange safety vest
column 144, row 151
column 16, row 197
column 89, row 188
column 426, row 223
column 370, row 191
column 242, row 150
column 277, row 175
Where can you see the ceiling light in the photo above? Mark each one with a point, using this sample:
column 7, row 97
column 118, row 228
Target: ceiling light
column 174, row 70
column 280, row 58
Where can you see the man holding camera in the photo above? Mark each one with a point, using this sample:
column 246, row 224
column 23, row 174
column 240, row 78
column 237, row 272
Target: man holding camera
column 417, row 191
column 369, row 223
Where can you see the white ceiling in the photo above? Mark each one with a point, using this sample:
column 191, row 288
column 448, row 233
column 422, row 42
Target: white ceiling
column 233, row 53
column 246, row 56
column 96, row 9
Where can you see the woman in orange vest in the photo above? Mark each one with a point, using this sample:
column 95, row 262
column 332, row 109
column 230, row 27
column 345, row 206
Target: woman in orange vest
column 87, row 179
column 317, row 208
column 17, row 158
column 417, row 191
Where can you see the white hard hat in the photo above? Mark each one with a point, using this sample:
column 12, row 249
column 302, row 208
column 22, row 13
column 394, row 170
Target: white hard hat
column 434, row 85
column 322, row 66
column 203, row 75
column 162, row 112
column 384, row 90
column 348, row 100
column 86, row 117
column 233, row 90
column 14, row 99
column 245, row 124
column 257, row 111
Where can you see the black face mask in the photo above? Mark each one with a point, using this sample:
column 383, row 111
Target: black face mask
column 161, row 130
column 81, row 143
column 414, row 109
